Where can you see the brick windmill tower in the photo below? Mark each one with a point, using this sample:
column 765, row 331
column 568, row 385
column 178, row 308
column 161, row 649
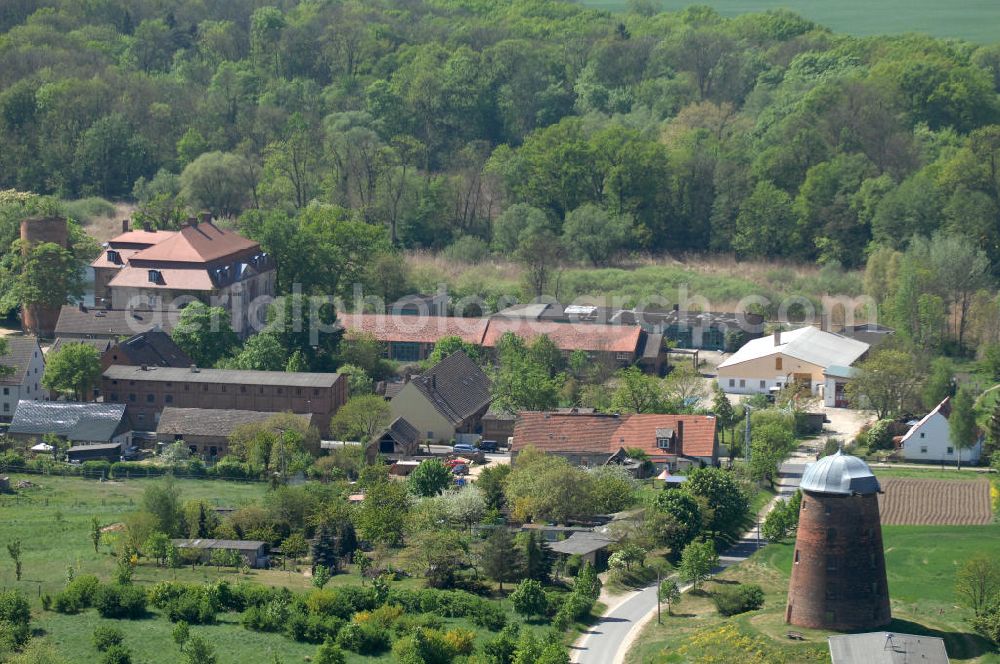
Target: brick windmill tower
column 838, row 574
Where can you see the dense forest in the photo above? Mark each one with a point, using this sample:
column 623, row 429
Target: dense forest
column 764, row 135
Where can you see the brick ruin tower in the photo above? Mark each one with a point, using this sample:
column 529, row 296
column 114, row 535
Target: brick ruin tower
column 37, row 318
column 838, row 570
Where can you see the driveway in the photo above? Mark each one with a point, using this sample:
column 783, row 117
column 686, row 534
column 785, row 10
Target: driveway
column 611, row 637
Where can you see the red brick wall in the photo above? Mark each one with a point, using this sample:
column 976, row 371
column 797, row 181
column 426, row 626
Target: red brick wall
column 838, row 569
column 151, row 397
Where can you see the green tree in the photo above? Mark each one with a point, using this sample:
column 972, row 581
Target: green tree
column 763, row 222
column 307, row 326
column 507, row 228
column 887, row 383
column 196, row 650
column 296, row 362
column 261, row 352
column 978, row 582
column 111, row 156
column 669, row 593
column 536, row 556
column 725, row 414
column 686, row 517
column 330, row 653
column 204, row 333
column 294, row 546
column 14, row 550
column 445, row 346
column 491, row 484
column 637, row 392
column 962, row 429
column 500, row 557
column 591, row 233
column 613, row 488
column 359, row 383
column 939, row 384
column 321, row 576
column 528, row 598
column 95, row 532
column 361, row 418
column 45, row 275
column 74, row 369
column 156, row 546
column 430, row 478
column 220, row 182
column 162, row 500
column 727, row 501
column 383, row 512
column 770, row 445
column 520, row 382
column 697, row 562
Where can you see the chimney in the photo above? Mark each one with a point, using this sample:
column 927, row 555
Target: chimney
column 146, row 226
column 193, row 222
column 83, row 307
column 126, row 226
column 677, row 307
column 206, row 217
column 777, row 337
column 194, row 368
column 680, row 436
column 143, row 367
column 434, row 381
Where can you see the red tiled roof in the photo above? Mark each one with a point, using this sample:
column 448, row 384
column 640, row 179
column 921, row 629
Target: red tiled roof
column 170, row 278
column 203, row 243
column 578, row 432
column 416, row 329
column 569, row 336
column 144, row 238
column 102, row 260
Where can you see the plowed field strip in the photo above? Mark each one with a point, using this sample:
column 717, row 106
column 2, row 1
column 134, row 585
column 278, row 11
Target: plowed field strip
column 910, row 501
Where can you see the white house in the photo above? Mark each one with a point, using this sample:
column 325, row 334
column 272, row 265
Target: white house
column 24, row 383
column 801, row 356
column 929, row 439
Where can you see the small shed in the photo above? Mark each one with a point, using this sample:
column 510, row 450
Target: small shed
column 590, row 546
column 108, row 452
column 253, row 552
column 886, row 648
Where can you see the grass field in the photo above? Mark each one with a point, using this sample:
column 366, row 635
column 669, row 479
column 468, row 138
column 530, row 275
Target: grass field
column 921, row 563
column 975, row 20
column 52, row 520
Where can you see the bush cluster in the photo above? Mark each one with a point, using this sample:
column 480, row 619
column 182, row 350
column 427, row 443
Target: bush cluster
column 732, row 600
column 120, row 601
column 77, row 595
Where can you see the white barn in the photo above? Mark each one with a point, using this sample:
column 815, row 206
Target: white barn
column 930, row 440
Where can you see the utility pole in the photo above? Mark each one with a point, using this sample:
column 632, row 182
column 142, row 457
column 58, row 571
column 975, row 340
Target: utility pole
column 746, row 435
column 658, row 593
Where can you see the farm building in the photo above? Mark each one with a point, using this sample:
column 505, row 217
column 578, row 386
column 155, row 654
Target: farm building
column 707, row 330
column 930, row 440
column 801, row 356
column 27, row 364
column 77, row 423
column 590, row 546
column 206, row 431
column 399, row 438
column 254, row 552
column 835, row 380
column 82, row 322
column 595, row 439
column 449, row 398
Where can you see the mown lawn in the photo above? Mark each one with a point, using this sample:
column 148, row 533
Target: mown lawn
column 921, row 563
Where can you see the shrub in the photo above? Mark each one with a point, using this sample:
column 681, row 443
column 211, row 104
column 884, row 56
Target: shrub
column 329, row 603
column 180, row 633
column 106, row 636
column 489, row 615
column 162, row 593
column 364, row 639
column 330, row 653
column 460, row 641
column 77, row 595
column 269, row 617
column 467, row 249
column 118, row 601
column 117, row 654
column 529, row 599
column 46, row 602
column 408, row 624
column 15, row 613
column 384, row 616
column 194, row 607
column 11, row 460
column 312, row 627
column 738, row 599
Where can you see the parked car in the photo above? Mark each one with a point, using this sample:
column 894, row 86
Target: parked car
column 463, row 447
column 488, row 446
column 460, row 469
column 132, row 454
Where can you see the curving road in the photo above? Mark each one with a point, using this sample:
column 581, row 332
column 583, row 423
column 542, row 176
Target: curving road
column 609, row 639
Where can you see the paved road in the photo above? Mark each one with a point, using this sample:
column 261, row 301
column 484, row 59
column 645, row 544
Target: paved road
column 608, row 641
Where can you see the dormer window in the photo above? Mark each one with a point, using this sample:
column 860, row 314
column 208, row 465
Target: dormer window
column 114, row 257
column 665, row 439
column 155, row 277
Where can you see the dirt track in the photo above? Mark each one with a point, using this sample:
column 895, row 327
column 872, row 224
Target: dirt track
column 910, row 501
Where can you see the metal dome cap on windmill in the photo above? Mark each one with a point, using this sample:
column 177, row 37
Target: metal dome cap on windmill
column 840, row 474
